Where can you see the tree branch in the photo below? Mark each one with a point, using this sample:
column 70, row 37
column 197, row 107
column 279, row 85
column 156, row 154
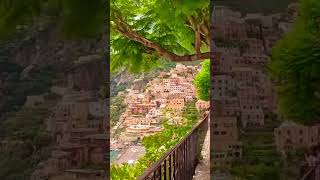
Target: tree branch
column 126, row 30
column 197, row 40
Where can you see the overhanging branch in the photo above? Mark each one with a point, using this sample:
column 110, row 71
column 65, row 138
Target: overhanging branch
column 126, row 30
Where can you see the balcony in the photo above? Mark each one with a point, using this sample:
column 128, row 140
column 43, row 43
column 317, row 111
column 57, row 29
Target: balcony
column 181, row 161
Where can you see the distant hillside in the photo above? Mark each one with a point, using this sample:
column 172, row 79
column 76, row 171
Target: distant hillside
column 253, row 6
column 122, row 80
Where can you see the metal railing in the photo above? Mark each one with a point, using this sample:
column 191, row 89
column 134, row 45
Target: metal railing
column 179, row 163
column 311, row 174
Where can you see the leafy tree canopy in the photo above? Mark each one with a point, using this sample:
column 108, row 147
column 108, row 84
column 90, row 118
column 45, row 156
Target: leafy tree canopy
column 76, row 18
column 142, row 31
column 202, row 81
column 145, row 30
column 296, row 66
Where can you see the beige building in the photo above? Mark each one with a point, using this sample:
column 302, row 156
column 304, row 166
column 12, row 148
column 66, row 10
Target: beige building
column 202, row 105
column 223, row 87
column 226, row 148
column 229, row 107
column 291, row 136
column 176, row 104
column 252, row 118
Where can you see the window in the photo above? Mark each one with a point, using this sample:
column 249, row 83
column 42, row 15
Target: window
column 237, row 154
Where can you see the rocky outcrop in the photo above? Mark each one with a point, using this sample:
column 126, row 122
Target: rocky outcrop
column 49, row 47
column 88, row 76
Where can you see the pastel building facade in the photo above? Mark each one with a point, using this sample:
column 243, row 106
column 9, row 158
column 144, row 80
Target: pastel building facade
column 290, row 136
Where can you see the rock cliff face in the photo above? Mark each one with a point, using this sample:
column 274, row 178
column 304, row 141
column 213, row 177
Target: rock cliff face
column 80, row 63
column 49, row 47
column 88, row 76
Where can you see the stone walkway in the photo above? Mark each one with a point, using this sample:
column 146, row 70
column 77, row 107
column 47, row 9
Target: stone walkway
column 203, row 168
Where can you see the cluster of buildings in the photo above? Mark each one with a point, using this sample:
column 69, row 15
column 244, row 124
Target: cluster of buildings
column 146, row 104
column 290, row 136
column 164, row 97
column 242, row 94
column 77, row 124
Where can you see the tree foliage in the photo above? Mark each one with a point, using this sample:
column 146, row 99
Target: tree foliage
column 76, row 18
column 27, row 143
column 296, row 66
column 144, row 31
column 202, row 81
column 116, row 109
column 256, row 172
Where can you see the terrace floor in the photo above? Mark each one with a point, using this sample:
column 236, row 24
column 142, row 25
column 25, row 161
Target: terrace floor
column 203, row 168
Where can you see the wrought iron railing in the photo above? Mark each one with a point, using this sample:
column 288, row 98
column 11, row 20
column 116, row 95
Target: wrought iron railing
column 179, row 163
column 311, row 173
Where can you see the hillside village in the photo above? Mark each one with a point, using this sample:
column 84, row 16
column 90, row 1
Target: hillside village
column 76, row 124
column 164, row 97
column 54, row 90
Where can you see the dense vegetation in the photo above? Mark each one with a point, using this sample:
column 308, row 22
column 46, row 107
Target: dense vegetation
column 75, row 18
column 117, row 107
column 38, row 82
column 28, row 144
column 260, row 160
column 296, row 67
column 202, row 81
column 142, row 32
column 156, row 145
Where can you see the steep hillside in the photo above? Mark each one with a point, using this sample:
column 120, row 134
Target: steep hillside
column 38, row 68
column 254, row 6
